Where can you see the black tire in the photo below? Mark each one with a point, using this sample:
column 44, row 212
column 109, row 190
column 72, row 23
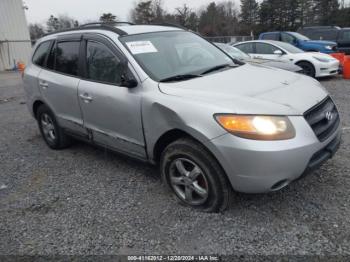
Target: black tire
column 212, row 178
column 308, row 68
column 56, row 139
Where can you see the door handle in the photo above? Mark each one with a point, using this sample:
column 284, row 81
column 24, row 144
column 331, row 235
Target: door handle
column 86, row 98
column 43, row 84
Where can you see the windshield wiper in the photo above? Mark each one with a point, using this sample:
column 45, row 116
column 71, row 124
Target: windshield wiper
column 216, row 68
column 179, row 78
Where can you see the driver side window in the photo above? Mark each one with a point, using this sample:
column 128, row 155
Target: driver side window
column 102, row 64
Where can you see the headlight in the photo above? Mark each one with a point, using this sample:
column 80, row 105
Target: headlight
column 323, row 60
column 257, row 127
column 328, row 47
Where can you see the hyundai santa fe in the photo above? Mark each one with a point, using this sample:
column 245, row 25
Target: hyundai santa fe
column 165, row 95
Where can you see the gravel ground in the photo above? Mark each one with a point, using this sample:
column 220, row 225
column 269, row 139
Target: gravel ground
column 85, row 200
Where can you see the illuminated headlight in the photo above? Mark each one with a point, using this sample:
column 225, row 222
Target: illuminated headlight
column 257, row 127
column 328, row 47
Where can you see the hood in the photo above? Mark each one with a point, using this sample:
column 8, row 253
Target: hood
column 318, row 55
column 251, row 89
column 321, row 42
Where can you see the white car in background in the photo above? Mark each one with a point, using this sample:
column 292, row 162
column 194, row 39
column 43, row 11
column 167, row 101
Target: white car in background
column 240, row 55
column 313, row 64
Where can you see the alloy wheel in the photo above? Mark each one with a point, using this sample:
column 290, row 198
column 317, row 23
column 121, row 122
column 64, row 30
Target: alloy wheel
column 188, row 181
column 48, row 127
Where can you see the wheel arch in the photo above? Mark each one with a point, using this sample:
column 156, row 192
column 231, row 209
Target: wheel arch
column 307, row 61
column 170, row 136
column 36, row 106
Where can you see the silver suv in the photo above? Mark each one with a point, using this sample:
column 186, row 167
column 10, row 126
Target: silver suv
column 167, row 96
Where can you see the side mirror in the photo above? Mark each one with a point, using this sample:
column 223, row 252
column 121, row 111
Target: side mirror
column 129, row 83
column 278, row 52
column 126, row 79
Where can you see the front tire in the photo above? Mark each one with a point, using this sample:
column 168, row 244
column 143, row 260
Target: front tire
column 194, row 176
column 308, row 68
column 52, row 133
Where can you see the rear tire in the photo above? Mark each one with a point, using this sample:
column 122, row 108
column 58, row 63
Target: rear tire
column 308, row 68
column 52, row 133
column 194, row 176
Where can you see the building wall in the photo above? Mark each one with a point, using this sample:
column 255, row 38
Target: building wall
column 15, row 43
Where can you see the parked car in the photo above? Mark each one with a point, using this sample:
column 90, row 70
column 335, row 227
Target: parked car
column 313, row 64
column 167, row 96
column 240, row 55
column 332, row 33
column 301, row 41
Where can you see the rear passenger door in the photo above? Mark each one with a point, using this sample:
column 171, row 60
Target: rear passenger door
column 58, row 82
column 112, row 113
column 248, row 48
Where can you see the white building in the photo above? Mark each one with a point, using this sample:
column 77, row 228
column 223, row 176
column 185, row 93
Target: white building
column 15, row 45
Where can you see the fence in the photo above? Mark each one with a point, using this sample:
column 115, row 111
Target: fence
column 229, row 39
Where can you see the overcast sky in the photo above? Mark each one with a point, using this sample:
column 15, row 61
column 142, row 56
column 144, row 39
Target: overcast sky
column 83, row 10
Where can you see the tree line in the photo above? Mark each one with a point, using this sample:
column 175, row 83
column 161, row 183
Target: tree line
column 224, row 18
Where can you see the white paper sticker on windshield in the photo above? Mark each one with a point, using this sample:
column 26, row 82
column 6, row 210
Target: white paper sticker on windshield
column 141, row 47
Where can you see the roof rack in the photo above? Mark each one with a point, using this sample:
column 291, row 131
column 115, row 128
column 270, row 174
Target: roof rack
column 171, row 25
column 96, row 25
column 114, row 23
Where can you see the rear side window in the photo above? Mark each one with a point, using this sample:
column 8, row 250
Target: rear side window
column 246, row 48
column 67, row 57
column 41, row 53
column 102, row 64
column 272, row 36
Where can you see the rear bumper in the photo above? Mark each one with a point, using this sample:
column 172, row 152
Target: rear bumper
column 265, row 166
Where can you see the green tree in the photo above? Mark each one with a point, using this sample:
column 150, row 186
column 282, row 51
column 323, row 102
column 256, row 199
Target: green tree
column 143, row 13
column 325, row 11
column 108, row 18
column 249, row 12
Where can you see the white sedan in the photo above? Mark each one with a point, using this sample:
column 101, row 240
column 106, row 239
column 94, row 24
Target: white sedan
column 313, row 64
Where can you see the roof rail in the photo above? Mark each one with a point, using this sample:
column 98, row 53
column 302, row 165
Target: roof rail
column 114, row 23
column 98, row 25
column 171, row 25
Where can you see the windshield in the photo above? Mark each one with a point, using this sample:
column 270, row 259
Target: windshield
column 167, row 54
column 290, row 48
column 299, row 36
column 233, row 51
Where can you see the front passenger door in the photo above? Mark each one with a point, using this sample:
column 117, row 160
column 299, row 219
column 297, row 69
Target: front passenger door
column 111, row 113
column 267, row 51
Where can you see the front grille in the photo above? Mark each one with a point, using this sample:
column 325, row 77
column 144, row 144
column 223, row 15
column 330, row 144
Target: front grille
column 323, row 119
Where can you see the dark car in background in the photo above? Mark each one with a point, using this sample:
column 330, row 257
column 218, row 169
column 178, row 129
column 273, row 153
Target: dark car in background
column 301, row 41
column 333, row 33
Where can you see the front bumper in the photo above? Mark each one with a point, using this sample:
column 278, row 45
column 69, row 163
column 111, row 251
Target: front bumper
column 328, row 69
column 264, row 166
